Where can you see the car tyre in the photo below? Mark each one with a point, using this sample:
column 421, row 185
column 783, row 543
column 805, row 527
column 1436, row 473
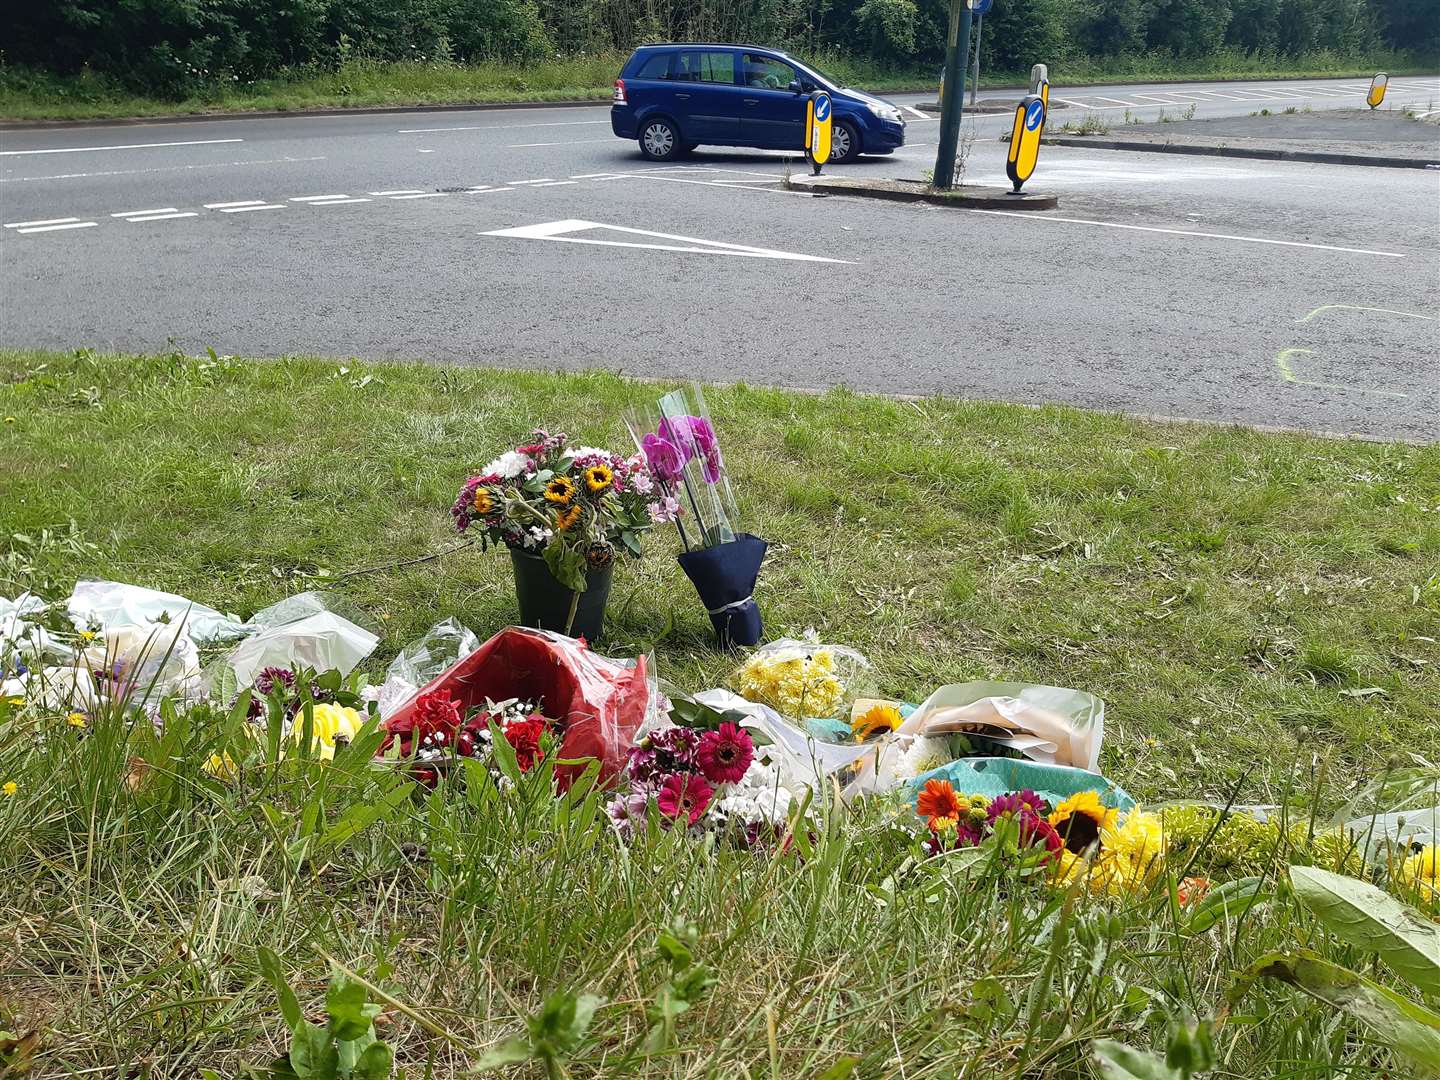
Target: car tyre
column 660, row 140
column 844, row 143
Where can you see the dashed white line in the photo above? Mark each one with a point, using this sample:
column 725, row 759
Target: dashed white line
column 247, row 209
column 542, row 180
column 316, row 198
column 503, row 127
column 489, row 191
column 527, row 145
column 399, row 191
column 128, row 146
column 1186, row 232
column 422, row 195
column 227, row 205
column 165, row 217
column 137, row 213
column 47, row 221
column 161, row 168
column 57, row 228
column 337, row 202
column 554, row 183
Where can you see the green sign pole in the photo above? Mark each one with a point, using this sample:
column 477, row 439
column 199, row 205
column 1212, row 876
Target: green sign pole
column 957, row 57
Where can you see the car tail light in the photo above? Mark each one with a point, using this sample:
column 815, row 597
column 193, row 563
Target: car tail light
column 619, row 98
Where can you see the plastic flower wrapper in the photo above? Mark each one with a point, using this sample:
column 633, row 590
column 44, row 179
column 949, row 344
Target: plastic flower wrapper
column 678, row 441
column 806, row 681
column 1396, row 812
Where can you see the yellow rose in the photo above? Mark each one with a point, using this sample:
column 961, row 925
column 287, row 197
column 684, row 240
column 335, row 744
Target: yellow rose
column 331, row 722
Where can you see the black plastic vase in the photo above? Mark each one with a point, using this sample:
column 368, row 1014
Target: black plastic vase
column 545, row 602
column 724, row 576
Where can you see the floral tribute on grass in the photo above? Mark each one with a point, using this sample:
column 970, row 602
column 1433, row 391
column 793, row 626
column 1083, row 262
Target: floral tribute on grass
column 437, row 733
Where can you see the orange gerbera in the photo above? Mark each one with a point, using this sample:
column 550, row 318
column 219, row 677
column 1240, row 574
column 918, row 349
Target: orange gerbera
column 938, row 804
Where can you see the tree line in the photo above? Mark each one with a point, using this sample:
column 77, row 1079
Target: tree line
column 174, row 47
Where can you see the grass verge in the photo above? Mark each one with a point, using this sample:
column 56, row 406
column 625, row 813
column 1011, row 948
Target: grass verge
column 30, row 95
column 1260, row 611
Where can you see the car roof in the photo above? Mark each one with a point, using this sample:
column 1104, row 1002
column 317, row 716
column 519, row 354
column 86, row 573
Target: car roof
column 708, row 45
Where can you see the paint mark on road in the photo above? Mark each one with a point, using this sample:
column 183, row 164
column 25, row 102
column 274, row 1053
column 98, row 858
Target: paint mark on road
column 503, row 127
column 137, row 213
column 165, row 217
column 44, row 221
column 421, row 195
column 127, row 146
column 399, row 191
column 160, row 168
column 247, row 209
column 560, row 231
column 59, row 228
column 1031, row 216
column 1287, row 372
column 1358, row 307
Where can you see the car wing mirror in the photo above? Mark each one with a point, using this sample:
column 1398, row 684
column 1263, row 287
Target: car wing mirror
column 795, row 87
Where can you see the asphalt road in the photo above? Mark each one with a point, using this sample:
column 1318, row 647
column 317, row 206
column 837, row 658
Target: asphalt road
column 1255, row 292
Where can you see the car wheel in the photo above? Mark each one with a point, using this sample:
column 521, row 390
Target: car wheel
column 659, row 141
column 844, row 143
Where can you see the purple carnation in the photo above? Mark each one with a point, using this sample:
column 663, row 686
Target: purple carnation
column 1016, row 802
column 268, row 677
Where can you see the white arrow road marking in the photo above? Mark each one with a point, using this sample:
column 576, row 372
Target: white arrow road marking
column 557, row 230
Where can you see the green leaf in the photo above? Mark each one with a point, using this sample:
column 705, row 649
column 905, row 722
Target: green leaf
column 313, row 1055
column 1120, row 1062
column 289, row 1004
column 375, row 1063
column 1228, row 901
column 563, row 1021
column 350, row 1017
column 1372, row 919
column 512, row 1051
column 841, row 1070
column 1410, row 1029
column 673, row 950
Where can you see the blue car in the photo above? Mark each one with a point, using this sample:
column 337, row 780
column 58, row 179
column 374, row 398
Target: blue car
column 673, row 98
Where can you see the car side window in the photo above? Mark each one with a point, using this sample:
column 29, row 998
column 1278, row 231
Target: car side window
column 699, row 66
column 766, row 73
column 654, row 68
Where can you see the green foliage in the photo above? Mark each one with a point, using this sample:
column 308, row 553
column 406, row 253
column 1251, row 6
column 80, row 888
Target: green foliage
column 687, row 984
column 176, row 49
column 344, row 1049
column 551, row 1035
column 1372, row 920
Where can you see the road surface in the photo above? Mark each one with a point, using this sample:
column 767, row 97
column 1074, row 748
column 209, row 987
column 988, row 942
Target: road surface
column 1256, row 292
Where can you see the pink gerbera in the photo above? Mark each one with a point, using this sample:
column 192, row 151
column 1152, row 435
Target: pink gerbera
column 725, row 754
column 684, row 796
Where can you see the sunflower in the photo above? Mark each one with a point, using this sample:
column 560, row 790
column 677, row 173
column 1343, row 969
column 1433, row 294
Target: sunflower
column 1080, row 819
column 877, row 720
column 560, row 490
column 484, row 502
column 598, row 478
column 568, row 518
column 938, row 804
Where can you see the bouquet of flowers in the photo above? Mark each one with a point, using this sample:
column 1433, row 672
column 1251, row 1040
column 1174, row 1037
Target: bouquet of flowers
column 707, row 780
column 433, row 735
column 574, row 507
column 678, row 443
column 807, row 681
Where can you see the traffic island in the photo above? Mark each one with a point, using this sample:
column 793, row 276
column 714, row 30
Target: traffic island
column 1385, row 139
column 965, row 198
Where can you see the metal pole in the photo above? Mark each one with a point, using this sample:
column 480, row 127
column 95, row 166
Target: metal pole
column 957, row 54
column 975, row 86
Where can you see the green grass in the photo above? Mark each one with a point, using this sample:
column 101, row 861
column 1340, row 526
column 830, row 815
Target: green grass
column 30, row 95
column 1222, row 589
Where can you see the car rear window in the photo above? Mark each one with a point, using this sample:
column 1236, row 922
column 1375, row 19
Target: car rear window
column 701, row 66
column 655, row 67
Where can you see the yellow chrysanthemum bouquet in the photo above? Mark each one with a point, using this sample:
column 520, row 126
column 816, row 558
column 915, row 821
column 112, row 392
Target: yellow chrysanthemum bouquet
column 805, row 681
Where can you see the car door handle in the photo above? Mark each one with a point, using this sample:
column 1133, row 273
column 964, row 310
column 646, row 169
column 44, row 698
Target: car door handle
column 682, row 97
column 752, row 101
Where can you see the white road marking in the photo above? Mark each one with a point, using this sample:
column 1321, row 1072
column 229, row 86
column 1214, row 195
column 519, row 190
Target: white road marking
column 489, row 190
column 422, row 195
column 590, row 175
column 343, row 200
column 503, row 127
column 401, row 191
column 316, row 198
column 161, row 168
column 916, row 112
column 557, row 230
column 1118, row 101
column 165, row 217
column 137, row 213
column 47, row 221
column 542, row 180
column 247, row 209
column 57, row 228
column 555, row 183
column 227, row 205
column 527, row 145
column 1030, row 216
column 128, row 146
